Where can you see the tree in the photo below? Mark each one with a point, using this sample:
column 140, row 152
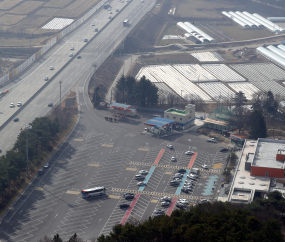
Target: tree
column 270, row 105
column 121, row 90
column 257, row 125
column 239, row 99
column 239, row 119
column 96, row 97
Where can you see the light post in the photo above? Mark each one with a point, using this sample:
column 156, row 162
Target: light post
column 27, row 144
column 60, row 91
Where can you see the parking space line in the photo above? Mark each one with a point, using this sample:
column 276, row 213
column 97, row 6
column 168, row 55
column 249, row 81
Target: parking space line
column 78, row 140
column 73, row 192
column 114, row 197
column 170, row 209
column 130, row 209
column 159, row 156
column 131, row 169
column 107, row 145
column 151, row 170
column 168, row 173
column 192, row 160
column 96, row 165
column 178, row 191
column 143, row 149
column 154, row 201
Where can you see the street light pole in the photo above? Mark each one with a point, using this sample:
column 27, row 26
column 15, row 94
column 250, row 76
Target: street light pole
column 60, row 91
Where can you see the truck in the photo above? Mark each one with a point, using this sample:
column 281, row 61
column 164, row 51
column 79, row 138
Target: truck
column 125, row 22
column 195, row 171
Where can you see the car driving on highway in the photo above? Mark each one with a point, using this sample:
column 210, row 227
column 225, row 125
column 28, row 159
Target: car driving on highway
column 19, row 104
column 12, row 105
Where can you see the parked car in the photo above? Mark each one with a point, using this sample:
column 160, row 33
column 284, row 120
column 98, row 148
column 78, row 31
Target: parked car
column 71, row 48
column 204, row 166
column 19, row 104
column 204, row 201
column 165, row 204
column 141, row 183
column 223, row 149
column 173, row 158
column 159, row 211
column 70, row 54
column 212, row 140
column 51, row 68
column 170, row 146
column 178, row 175
column 16, row 119
column 128, row 193
column 179, row 205
column 124, row 205
column 78, row 57
column 85, row 40
column 189, row 152
column 50, row 104
column 167, row 199
column 12, row 105
column 96, row 30
column 130, row 196
column 143, row 172
column 174, row 183
column 139, row 177
column 46, row 78
column 186, row 190
column 181, row 170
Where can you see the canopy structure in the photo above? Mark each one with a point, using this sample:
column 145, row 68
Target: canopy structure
column 120, row 106
column 159, row 122
column 123, row 109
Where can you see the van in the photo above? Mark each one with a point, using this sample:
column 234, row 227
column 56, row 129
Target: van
column 124, row 205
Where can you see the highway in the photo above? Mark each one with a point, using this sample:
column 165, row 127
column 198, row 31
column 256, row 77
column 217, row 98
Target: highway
column 96, row 51
column 101, row 153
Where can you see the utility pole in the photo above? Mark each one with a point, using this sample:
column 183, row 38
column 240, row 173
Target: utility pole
column 60, row 91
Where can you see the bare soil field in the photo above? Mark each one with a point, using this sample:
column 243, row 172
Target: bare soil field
column 26, row 7
column 7, row 4
column 10, row 19
column 57, row 3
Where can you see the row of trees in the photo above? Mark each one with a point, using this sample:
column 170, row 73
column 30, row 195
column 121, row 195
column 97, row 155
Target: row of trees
column 13, row 165
column 142, row 93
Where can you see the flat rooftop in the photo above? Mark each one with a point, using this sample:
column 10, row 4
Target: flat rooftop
column 265, row 154
column 175, row 111
column 245, row 185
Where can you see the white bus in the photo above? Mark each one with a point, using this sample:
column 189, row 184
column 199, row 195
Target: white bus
column 95, row 191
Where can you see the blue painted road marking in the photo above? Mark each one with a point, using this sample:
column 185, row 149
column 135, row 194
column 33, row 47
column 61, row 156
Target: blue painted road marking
column 178, row 191
column 209, row 185
column 147, row 178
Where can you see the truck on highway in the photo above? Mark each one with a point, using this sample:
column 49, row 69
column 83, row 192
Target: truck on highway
column 125, row 22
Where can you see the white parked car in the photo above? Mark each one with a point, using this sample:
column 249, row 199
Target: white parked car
column 204, row 201
column 204, row 166
column 165, row 199
column 71, row 54
column 189, row 152
column 173, row 158
column 19, row 104
column 212, row 140
column 143, row 172
column 170, row 146
column 141, row 183
column 12, row 105
column 46, row 78
column 71, row 48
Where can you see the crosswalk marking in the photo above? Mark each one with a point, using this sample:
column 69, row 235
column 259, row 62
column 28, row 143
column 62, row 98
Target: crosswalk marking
column 168, row 173
column 38, row 189
column 78, row 140
column 160, row 194
column 61, row 161
column 73, row 192
column 95, row 165
column 173, row 167
column 143, row 149
column 107, row 145
column 131, row 169
column 154, row 201
column 114, row 197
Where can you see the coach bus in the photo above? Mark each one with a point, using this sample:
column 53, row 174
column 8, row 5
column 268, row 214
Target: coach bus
column 92, row 192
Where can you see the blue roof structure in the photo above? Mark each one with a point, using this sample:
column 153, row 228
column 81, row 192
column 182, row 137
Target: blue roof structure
column 158, row 122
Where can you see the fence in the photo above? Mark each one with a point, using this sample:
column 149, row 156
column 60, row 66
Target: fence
column 51, row 43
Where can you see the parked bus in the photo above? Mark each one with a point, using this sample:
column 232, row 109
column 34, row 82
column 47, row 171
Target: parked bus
column 95, row 191
column 125, row 23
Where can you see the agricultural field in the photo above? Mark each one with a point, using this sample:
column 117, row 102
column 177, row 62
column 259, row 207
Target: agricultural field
column 19, row 19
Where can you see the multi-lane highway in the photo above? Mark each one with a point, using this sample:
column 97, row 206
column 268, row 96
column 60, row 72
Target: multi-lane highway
column 101, row 153
column 67, row 69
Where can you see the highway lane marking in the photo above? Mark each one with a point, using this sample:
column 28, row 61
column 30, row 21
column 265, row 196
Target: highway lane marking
column 168, row 173
column 78, row 140
column 73, row 192
column 61, row 161
column 39, row 189
column 154, row 201
column 131, row 169
column 160, row 194
column 173, row 167
column 107, row 145
column 114, row 197
column 143, row 149
column 95, row 165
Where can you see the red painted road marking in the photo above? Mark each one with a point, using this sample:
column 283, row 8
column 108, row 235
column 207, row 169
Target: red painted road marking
column 124, row 220
column 159, row 156
column 170, row 209
column 192, row 159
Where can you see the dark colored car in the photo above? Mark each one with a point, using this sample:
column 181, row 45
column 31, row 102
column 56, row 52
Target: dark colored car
column 129, row 196
column 124, row 205
column 78, row 57
column 181, row 170
column 41, row 171
column 179, row 205
column 186, row 190
column 128, row 193
column 50, row 104
column 223, row 149
column 16, row 119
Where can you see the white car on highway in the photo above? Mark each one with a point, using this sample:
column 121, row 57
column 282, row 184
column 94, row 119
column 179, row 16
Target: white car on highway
column 12, row 105
column 51, row 68
column 71, row 48
column 19, row 104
